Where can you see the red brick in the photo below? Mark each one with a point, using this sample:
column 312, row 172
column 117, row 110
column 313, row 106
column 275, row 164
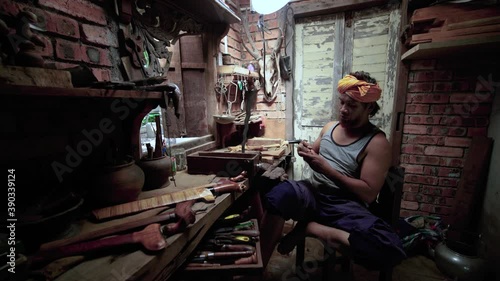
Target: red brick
column 431, row 190
column 448, row 182
column 422, row 64
column 409, row 205
column 457, row 132
column 451, row 162
column 68, row 50
column 62, row 25
column 482, row 121
column 459, row 142
column 95, row 55
column 425, row 139
column 421, row 179
column 471, row 98
column 410, row 196
column 435, row 209
column 98, row 35
column 9, row 7
column 102, row 74
column 482, row 109
column 428, row 98
column 456, row 121
column 265, row 106
column 449, row 172
column 80, row 9
column 417, row 108
column 443, row 86
column 413, row 169
column 420, row 87
column 444, row 151
column 437, row 130
column 414, row 129
column 425, row 160
column 441, row 109
column 64, row 65
column 430, row 170
column 412, row 149
column 421, row 76
column 477, row 132
column 424, row 119
column 438, row 201
column 409, row 187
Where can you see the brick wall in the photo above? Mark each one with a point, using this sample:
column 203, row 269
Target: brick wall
column 448, row 102
column 77, row 32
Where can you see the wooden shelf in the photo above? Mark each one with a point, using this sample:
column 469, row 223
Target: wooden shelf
column 35, row 91
column 236, row 70
column 477, row 46
column 206, row 11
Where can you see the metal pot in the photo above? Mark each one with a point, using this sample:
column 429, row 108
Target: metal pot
column 459, row 260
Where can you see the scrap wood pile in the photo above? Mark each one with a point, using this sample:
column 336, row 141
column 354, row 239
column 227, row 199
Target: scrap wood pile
column 452, row 22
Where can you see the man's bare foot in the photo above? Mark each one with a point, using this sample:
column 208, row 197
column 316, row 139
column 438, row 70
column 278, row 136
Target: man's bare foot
column 291, row 239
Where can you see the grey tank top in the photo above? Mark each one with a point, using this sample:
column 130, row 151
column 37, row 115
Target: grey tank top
column 343, row 158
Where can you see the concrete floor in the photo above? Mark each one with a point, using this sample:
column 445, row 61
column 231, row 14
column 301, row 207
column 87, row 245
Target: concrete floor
column 281, row 268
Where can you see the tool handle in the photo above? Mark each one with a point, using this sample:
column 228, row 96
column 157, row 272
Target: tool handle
column 237, row 247
column 85, row 247
column 107, row 231
column 225, row 188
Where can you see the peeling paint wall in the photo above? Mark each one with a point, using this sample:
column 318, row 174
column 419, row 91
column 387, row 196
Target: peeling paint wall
column 329, row 47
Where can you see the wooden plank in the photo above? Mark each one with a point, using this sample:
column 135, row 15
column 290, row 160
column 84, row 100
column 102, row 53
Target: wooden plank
column 478, row 45
column 470, row 191
column 329, row 7
column 194, row 193
column 416, row 38
column 461, row 23
column 194, row 65
column 35, row 76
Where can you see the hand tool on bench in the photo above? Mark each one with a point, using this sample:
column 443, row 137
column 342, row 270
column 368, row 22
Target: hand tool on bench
column 152, row 238
column 208, row 255
column 182, row 211
column 208, row 192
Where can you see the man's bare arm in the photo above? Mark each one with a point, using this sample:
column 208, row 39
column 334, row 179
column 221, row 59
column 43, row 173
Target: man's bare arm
column 373, row 170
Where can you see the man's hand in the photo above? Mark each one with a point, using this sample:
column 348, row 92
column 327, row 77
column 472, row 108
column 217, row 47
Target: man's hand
column 315, row 161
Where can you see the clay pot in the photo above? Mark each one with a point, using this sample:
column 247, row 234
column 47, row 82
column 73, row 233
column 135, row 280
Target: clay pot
column 119, row 184
column 157, row 172
column 459, row 261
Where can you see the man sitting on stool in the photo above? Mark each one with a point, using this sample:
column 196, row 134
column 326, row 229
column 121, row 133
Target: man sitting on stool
column 350, row 160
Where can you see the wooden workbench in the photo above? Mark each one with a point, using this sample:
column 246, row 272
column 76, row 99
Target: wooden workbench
column 132, row 263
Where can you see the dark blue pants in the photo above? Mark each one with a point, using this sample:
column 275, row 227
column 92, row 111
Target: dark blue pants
column 373, row 242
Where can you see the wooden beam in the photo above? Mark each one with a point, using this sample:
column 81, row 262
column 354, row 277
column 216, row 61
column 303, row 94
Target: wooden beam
column 399, row 105
column 314, row 8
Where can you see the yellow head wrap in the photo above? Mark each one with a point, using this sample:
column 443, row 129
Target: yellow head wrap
column 359, row 90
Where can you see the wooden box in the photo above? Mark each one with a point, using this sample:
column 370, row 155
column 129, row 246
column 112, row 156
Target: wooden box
column 223, row 164
column 255, row 269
